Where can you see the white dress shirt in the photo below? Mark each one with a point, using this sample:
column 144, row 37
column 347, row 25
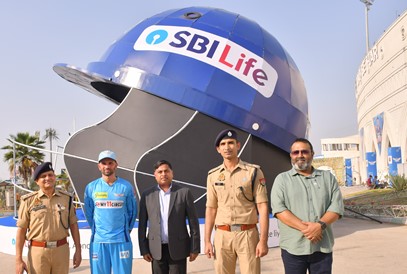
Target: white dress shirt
column 164, row 207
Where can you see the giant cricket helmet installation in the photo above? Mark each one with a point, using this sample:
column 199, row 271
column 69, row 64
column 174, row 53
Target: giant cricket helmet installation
column 179, row 78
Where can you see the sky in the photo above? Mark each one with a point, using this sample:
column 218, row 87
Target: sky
column 326, row 39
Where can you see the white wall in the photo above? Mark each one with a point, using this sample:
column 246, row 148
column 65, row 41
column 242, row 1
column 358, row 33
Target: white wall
column 8, row 240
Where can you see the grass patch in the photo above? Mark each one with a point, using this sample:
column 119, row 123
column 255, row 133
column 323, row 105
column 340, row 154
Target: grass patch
column 369, row 193
column 377, row 196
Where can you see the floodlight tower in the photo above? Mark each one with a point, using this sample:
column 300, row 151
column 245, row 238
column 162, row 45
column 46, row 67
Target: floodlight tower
column 367, row 3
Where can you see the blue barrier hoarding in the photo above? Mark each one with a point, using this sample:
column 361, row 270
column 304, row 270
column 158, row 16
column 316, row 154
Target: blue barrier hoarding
column 394, row 158
column 371, row 167
column 348, row 167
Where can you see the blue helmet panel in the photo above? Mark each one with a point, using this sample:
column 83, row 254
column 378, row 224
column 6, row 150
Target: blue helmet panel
column 209, row 60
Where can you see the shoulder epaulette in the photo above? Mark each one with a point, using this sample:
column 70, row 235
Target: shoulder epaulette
column 253, row 165
column 65, row 192
column 214, row 169
column 24, row 197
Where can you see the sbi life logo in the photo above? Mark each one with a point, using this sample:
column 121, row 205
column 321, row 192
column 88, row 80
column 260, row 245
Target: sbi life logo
column 213, row 50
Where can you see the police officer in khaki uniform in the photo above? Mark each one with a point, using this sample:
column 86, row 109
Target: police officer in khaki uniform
column 234, row 190
column 46, row 215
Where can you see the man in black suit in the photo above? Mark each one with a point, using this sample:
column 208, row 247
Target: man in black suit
column 165, row 207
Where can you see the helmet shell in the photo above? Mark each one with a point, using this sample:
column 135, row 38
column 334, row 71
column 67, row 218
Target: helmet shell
column 210, row 60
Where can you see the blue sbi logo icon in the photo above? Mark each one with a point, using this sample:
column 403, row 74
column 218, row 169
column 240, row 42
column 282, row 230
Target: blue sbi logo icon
column 156, row 37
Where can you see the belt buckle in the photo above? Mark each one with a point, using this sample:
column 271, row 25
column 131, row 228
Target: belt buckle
column 52, row 244
column 236, row 228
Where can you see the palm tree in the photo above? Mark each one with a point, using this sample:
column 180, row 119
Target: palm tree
column 26, row 159
column 50, row 134
column 63, row 180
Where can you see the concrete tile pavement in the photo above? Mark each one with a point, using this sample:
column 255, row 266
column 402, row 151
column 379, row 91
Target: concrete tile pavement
column 361, row 247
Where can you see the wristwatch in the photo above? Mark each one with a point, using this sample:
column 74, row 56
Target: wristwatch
column 323, row 225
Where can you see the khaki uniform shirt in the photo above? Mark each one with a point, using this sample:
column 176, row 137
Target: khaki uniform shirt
column 41, row 215
column 226, row 191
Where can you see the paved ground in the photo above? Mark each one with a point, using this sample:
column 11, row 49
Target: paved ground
column 362, row 247
column 351, row 189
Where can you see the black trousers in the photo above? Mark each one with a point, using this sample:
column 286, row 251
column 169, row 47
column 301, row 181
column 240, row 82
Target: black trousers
column 167, row 265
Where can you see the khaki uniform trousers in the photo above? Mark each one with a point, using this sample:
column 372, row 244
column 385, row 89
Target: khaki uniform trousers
column 232, row 245
column 42, row 260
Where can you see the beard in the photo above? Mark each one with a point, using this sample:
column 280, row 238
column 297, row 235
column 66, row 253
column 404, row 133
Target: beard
column 301, row 164
column 107, row 172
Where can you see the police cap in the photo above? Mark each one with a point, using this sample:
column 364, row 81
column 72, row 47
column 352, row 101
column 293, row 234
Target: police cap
column 225, row 134
column 44, row 167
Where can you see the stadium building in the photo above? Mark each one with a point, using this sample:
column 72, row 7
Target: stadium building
column 381, row 101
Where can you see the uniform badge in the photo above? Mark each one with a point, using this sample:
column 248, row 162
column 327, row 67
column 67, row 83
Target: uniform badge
column 38, row 207
column 37, row 202
column 263, row 181
column 221, row 177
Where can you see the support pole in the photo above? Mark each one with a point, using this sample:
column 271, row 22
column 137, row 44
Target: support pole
column 373, row 219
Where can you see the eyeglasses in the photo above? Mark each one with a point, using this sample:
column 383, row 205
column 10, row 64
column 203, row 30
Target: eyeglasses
column 303, row 152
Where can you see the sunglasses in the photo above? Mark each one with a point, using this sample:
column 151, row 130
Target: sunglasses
column 303, row 152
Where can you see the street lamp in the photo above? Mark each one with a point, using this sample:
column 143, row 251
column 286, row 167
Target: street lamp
column 56, row 155
column 14, row 181
column 367, row 3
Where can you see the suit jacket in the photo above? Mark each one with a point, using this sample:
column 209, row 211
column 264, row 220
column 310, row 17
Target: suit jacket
column 180, row 242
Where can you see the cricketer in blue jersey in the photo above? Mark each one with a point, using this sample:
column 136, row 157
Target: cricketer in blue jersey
column 111, row 210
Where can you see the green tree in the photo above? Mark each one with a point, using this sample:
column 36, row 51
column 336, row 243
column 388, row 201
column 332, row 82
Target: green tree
column 63, row 181
column 26, row 158
column 51, row 134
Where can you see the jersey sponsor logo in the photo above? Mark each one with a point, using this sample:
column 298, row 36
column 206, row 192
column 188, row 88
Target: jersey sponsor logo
column 94, row 256
column 124, row 254
column 118, row 194
column 101, row 195
column 213, row 50
column 109, row 204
